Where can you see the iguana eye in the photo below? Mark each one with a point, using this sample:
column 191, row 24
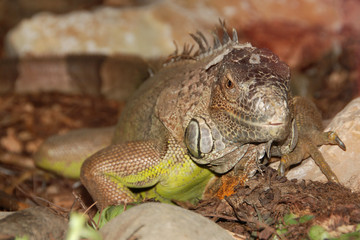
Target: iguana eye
column 229, row 84
column 229, row 81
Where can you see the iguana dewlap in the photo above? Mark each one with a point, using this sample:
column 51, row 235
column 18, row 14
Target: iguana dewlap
column 199, row 116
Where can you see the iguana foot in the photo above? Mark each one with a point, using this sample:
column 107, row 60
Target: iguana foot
column 309, row 125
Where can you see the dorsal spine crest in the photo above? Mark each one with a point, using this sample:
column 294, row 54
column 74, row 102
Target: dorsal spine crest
column 220, row 47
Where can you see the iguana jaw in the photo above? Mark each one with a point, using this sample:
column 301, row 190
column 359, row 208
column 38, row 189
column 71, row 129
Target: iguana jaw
column 275, row 129
column 268, row 120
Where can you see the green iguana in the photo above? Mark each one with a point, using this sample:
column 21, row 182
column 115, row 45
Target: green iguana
column 228, row 104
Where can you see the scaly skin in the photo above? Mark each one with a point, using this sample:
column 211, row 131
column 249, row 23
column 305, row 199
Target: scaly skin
column 141, row 166
column 197, row 118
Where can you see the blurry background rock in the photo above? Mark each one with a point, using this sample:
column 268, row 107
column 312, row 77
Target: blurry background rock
column 13, row 11
column 288, row 28
column 293, row 30
column 318, row 39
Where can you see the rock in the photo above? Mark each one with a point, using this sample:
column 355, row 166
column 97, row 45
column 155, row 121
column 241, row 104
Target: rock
column 12, row 12
column 115, row 77
column 149, row 30
column 152, row 221
column 36, row 223
column 345, row 164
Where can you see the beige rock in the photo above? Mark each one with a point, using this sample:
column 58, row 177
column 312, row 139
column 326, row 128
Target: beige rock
column 345, row 164
column 143, row 31
column 149, row 30
column 152, row 221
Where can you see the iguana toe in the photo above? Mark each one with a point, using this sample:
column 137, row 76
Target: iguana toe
column 335, row 140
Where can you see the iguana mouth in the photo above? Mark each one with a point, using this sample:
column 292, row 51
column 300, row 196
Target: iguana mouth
column 275, row 124
column 260, row 129
column 262, row 124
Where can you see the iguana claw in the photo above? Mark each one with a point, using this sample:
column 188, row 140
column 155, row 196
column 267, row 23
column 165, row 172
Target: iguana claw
column 340, row 143
column 268, row 149
column 336, row 140
column 281, row 169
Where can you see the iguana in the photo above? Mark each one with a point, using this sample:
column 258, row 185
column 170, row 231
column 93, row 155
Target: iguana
column 202, row 114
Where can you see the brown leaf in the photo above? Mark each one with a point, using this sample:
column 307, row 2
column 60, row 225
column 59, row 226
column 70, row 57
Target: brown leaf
column 11, row 143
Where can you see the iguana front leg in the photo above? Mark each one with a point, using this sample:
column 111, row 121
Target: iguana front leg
column 310, row 136
column 134, row 171
column 109, row 174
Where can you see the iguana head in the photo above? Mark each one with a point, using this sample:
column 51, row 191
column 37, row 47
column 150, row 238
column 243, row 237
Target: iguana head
column 245, row 91
column 249, row 99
